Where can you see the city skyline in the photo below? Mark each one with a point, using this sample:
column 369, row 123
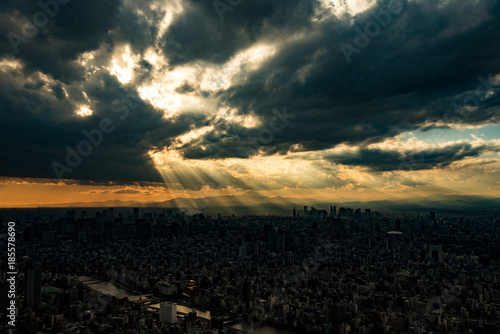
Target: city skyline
column 250, row 167
column 342, row 270
column 249, row 102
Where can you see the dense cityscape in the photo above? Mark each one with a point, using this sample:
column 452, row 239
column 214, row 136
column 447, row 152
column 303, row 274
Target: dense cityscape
column 250, row 167
column 140, row 270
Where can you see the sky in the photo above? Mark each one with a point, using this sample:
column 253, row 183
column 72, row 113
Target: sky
column 330, row 100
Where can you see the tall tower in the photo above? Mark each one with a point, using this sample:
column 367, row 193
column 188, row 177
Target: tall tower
column 294, row 212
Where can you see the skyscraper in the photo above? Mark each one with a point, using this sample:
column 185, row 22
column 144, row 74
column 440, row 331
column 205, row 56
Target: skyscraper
column 255, row 249
column 168, row 312
column 243, row 251
column 246, row 292
column 432, row 216
column 436, row 253
column 33, row 288
column 332, row 212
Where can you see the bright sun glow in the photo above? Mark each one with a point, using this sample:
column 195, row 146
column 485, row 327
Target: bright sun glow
column 162, row 91
column 123, row 64
column 342, row 8
column 10, row 64
column 221, row 77
column 192, row 135
column 84, row 111
column 176, row 90
column 232, row 116
column 171, row 9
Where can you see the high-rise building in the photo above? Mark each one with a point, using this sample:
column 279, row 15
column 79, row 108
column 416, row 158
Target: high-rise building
column 302, row 240
column 33, row 288
column 255, row 249
column 243, row 251
column 333, row 211
column 168, row 312
column 246, row 292
column 280, row 240
column 267, row 231
column 71, row 213
column 338, row 312
column 432, row 216
column 436, row 253
column 397, row 226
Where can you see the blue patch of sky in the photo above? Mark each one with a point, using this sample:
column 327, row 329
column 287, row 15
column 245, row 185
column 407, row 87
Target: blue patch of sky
column 487, row 132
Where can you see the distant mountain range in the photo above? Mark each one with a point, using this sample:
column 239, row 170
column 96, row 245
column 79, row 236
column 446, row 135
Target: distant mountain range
column 255, row 203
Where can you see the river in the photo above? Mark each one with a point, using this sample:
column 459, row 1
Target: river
column 111, row 289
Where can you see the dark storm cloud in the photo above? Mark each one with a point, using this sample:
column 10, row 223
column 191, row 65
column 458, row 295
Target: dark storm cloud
column 129, row 192
column 38, row 121
column 53, row 47
column 37, row 128
column 101, row 183
column 380, row 160
column 408, row 76
column 198, row 34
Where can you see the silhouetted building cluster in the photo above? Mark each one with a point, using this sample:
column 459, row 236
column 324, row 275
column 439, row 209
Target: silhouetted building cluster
column 318, row 271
